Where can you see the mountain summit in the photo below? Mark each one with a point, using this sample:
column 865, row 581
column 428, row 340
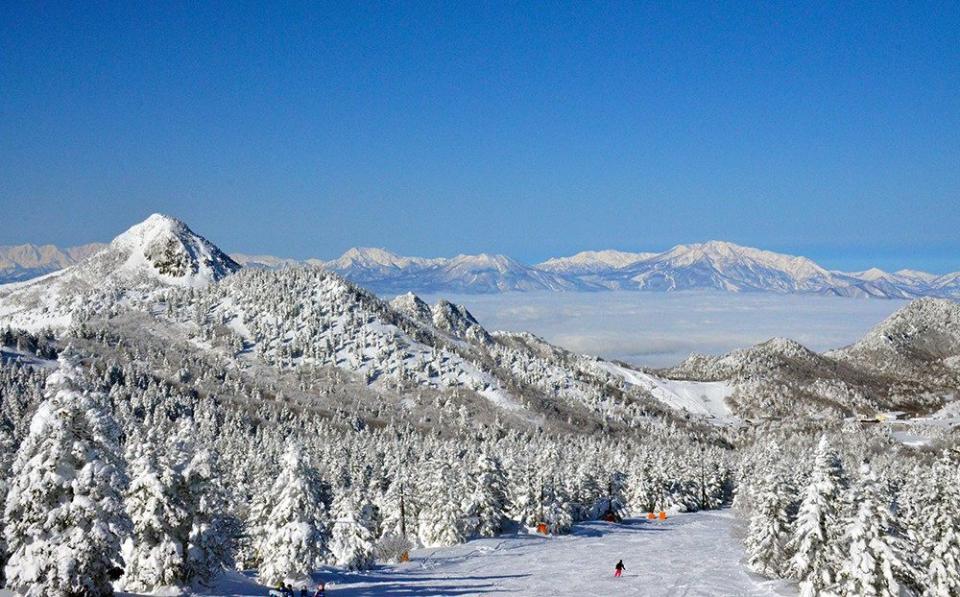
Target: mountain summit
column 165, row 248
column 160, row 252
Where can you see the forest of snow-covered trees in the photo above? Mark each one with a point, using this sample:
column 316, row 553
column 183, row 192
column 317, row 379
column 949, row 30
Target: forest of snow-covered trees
column 114, row 475
column 116, row 478
column 282, row 422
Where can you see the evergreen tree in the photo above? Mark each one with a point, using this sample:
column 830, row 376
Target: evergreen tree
column 877, row 562
column 769, row 530
column 210, row 532
column 939, row 533
column 487, row 504
column 817, row 533
column 155, row 554
column 294, row 538
column 7, row 453
column 557, row 511
column 442, row 519
column 351, row 542
column 64, row 515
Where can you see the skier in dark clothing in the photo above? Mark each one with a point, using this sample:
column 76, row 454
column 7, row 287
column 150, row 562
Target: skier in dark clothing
column 320, row 591
column 619, row 568
column 304, row 592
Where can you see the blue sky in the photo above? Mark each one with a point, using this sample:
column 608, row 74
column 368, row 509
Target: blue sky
column 531, row 129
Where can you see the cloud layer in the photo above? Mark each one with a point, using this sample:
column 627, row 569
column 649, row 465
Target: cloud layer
column 661, row 329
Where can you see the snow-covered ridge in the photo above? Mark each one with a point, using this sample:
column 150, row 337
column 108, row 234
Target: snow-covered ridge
column 592, row 262
column 714, row 265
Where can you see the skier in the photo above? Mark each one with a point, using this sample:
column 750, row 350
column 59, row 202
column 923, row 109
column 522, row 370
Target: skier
column 304, row 592
column 320, row 591
column 619, row 568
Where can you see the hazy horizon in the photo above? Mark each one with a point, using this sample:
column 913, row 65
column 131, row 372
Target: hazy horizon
column 652, row 329
column 850, row 261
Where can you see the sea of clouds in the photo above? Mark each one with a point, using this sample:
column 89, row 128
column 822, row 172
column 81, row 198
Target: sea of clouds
column 661, row 329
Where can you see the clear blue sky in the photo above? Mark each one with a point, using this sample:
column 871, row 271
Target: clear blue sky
column 532, row 129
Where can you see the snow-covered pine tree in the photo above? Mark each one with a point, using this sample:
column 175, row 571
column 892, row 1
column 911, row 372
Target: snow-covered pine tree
column 939, row 532
column 155, row 553
column 557, row 513
column 295, row 535
column 351, row 541
column 7, row 453
column 613, row 501
column 523, row 491
column 769, row 530
column 399, row 508
column 64, row 515
column 817, row 533
column 877, row 559
column 488, row 502
column 442, row 519
column 211, row 533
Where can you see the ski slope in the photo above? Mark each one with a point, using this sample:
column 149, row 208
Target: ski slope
column 688, row 554
column 705, row 398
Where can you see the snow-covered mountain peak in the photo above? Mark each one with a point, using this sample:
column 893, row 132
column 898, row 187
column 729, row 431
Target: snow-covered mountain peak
column 912, row 274
column 484, row 261
column 593, row 261
column 927, row 328
column 413, row 307
column 873, row 274
column 370, row 257
column 785, row 347
column 165, row 248
column 457, row 320
column 721, row 253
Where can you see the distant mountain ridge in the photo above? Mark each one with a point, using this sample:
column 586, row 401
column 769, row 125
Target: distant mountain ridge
column 714, row 265
column 22, row 262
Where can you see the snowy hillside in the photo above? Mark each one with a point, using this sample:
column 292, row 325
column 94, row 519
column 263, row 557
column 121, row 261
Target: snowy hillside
column 159, row 252
column 178, row 285
column 905, row 363
column 923, row 335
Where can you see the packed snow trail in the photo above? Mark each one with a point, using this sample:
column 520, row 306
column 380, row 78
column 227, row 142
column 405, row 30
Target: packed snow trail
column 688, row 554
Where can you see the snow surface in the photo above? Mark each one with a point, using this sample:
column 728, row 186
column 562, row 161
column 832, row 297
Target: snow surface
column 696, row 397
column 688, row 554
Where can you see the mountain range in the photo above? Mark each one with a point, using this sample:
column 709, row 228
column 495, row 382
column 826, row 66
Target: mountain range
column 160, row 290
column 713, row 265
column 22, row 262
